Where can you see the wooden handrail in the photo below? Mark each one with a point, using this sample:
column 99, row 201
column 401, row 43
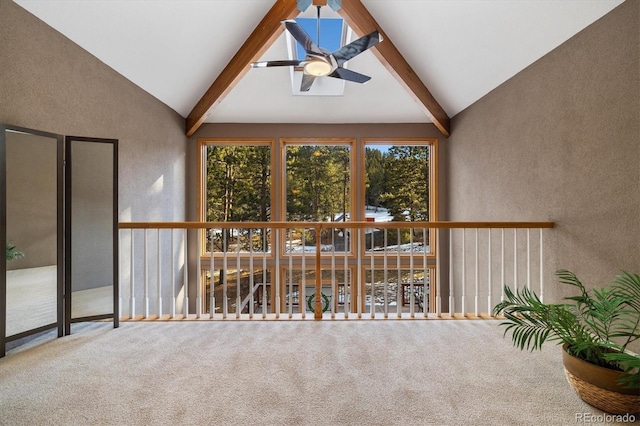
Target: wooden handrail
column 333, row 225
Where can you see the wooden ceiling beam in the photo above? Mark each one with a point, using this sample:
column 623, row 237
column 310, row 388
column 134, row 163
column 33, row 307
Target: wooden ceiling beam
column 265, row 34
column 361, row 21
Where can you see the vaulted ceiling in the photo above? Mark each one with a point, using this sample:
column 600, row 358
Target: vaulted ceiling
column 437, row 58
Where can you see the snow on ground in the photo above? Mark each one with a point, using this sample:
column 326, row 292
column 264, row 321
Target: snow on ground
column 379, row 214
column 403, row 248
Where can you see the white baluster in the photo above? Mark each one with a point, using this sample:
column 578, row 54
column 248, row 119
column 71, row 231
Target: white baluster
column 425, row 290
column 515, row 258
column 146, row 277
column 251, row 271
column 438, row 274
column 334, row 292
column 359, row 280
column 476, row 308
column 302, row 287
column 541, row 269
column 185, row 274
column 120, row 272
column 132, row 295
column 276, row 283
column 400, row 289
column 386, row 277
column 412, row 296
column 464, row 272
column 347, row 277
column 173, row 280
column 372, row 309
column 159, row 277
column 198, row 274
column 225, row 269
column 489, row 278
column 452, row 299
column 264, row 271
column 212, row 281
column 502, row 278
column 238, row 273
column 528, row 260
column 290, row 307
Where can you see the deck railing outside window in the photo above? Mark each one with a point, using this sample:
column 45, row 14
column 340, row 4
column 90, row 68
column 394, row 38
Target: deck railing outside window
column 325, row 270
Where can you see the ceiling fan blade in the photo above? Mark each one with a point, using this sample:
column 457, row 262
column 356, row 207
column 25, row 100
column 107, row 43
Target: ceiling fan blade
column 346, row 74
column 307, row 81
column 265, row 64
column 301, row 36
column 355, row 48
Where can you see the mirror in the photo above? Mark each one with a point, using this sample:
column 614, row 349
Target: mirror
column 32, row 232
column 60, row 230
column 91, row 226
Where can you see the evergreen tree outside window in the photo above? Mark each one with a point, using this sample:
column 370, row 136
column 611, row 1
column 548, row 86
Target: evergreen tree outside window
column 399, row 179
column 318, row 180
column 318, row 189
column 238, row 189
column 333, row 180
column 318, row 183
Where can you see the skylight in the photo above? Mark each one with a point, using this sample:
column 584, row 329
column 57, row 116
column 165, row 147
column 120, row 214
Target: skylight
column 331, row 34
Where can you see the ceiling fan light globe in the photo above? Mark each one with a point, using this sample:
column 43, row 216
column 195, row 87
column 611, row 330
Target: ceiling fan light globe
column 317, row 68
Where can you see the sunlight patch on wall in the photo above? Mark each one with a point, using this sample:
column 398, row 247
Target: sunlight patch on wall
column 157, row 186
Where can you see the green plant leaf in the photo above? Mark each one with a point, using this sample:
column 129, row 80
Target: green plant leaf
column 11, row 253
column 630, row 364
column 595, row 325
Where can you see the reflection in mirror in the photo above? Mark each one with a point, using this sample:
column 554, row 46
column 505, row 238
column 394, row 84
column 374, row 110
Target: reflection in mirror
column 92, row 221
column 31, row 231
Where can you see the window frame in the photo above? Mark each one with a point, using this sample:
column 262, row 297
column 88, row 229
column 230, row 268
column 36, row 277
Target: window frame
column 284, row 142
column 432, row 143
column 277, row 258
column 357, row 170
column 203, row 143
column 201, row 195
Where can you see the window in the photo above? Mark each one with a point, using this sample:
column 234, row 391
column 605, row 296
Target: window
column 236, row 178
column 336, row 180
column 332, row 34
column 397, row 182
column 318, row 189
column 238, row 182
column 318, row 180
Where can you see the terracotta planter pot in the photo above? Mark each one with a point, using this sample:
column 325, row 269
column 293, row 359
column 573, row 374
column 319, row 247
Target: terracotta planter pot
column 598, row 386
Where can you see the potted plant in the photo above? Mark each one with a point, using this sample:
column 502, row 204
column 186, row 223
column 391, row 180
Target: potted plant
column 12, row 253
column 595, row 329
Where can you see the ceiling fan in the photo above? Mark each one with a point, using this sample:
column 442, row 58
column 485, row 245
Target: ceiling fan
column 318, row 61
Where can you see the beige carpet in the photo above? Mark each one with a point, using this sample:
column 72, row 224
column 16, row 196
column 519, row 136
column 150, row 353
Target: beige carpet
column 398, row 372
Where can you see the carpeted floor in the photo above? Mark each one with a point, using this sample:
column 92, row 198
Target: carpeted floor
column 398, row 372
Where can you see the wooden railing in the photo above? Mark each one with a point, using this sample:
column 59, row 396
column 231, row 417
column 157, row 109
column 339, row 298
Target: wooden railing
column 330, row 270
